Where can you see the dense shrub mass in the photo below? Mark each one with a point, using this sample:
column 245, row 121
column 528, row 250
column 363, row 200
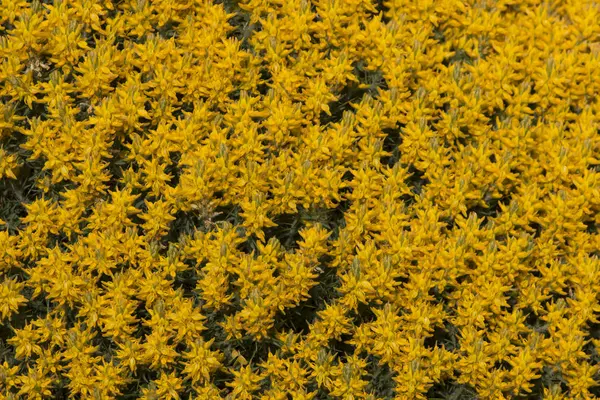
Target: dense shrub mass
column 299, row 199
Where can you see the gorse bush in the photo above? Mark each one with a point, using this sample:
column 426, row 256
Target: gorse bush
column 303, row 199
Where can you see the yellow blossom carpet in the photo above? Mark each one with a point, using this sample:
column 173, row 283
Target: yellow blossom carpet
column 299, row 199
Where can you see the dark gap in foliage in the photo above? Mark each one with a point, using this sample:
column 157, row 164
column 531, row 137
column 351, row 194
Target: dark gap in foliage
column 449, row 389
column 234, row 95
column 512, row 301
column 11, row 204
column 298, row 319
column 337, row 219
column 591, row 226
column 186, row 107
column 168, row 30
column 536, row 390
column 178, row 114
column 186, row 280
column 116, row 165
column 227, row 213
column 495, row 116
column 593, row 330
column 146, row 376
column 391, row 145
column 437, row 294
column 590, row 350
column 119, row 81
column 401, row 279
column 537, row 227
column 6, row 28
column 241, row 22
column 142, row 314
column 417, row 180
column 488, row 213
column 594, row 390
column 265, row 77
column 287, row 230
column 462, row 141
column 575, row 109
column 450, row 222
column 381, row 379
column 438, row 34
column 364, row 314
column 321, row 394
column 37, row 308
column 187, row 222
column 250, row 245
column 373, row 78
column 556, row 297
column 533, row 321
column 440, row 336
column 460, row 279
column 131, row 390
column 552, row 376
column 319, row 215
column 454, row 343
column 535, row 272
column 341, row 348
column 15, row 193
column 220, row 379
column 119, row 43
column 460, row 55
column 253, row 351
column 213, row 328
column 446, row 336
column 351, row 93
column 382, row 9
column 37, row 109
column 173, row 169
column 503, row 365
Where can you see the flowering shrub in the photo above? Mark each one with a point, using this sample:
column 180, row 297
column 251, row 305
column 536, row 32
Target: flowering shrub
column 303, row 199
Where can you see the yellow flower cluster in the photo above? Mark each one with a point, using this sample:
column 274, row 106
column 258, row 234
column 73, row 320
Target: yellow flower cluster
column 299, row 199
